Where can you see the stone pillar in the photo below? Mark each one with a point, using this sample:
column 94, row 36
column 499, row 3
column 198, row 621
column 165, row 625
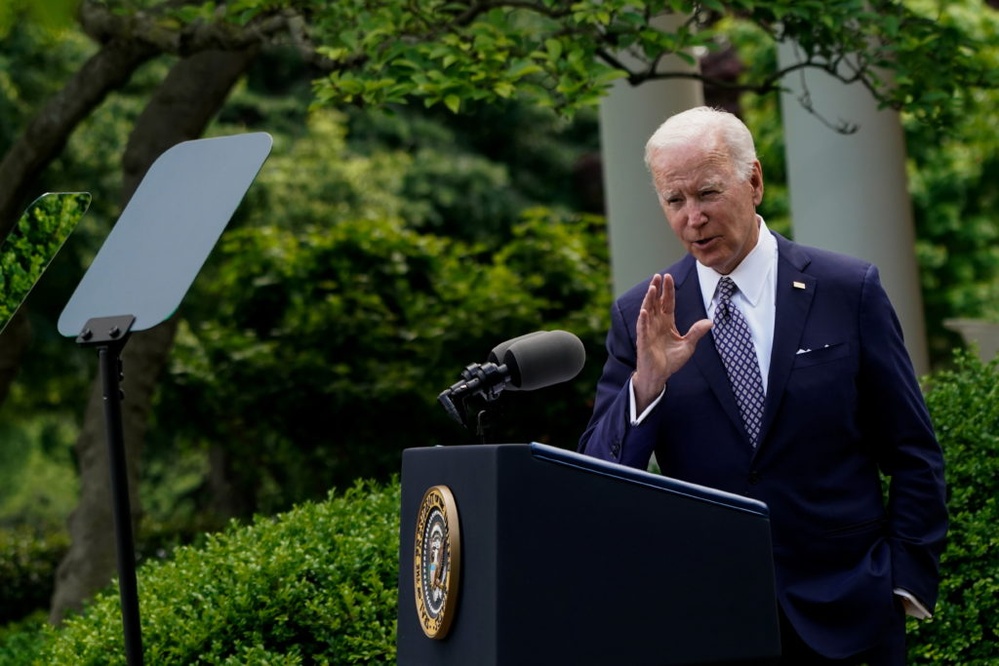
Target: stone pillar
column 849, row 193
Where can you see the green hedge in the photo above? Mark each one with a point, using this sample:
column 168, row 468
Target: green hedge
column 964, row 404
column 316, row 585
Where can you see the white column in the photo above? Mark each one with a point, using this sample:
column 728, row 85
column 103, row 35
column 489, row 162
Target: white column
column 641, row 241
column 849, row 193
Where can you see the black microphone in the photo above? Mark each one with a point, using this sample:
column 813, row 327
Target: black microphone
column 537, row 361
column 525, row 363
column 499, row 351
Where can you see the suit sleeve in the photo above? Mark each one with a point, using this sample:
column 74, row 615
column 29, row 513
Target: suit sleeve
column 609, row 434
column 894, row 413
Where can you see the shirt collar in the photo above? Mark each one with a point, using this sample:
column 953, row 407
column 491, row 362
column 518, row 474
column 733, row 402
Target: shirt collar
column 750, row 276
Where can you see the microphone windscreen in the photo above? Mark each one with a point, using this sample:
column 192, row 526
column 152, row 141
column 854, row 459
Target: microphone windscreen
column 499, row 351
column 537, row 361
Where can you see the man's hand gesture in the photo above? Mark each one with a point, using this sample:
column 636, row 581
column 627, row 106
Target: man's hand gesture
column 661, row 349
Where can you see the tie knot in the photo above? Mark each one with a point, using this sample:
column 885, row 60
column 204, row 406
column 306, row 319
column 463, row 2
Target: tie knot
column 726, row 287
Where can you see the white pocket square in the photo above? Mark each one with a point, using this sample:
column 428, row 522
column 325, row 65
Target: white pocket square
column 808, row 351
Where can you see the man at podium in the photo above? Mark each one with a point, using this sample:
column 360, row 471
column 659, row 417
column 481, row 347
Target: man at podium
column 761, row 367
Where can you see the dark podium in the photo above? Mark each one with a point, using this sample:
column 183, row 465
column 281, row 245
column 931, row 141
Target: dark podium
column 560, row 558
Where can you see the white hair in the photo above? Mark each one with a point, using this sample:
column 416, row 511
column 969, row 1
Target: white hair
column 704, row 123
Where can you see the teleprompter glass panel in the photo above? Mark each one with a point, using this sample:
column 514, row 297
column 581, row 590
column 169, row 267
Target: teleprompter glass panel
column 33, row 242
column 166, row 232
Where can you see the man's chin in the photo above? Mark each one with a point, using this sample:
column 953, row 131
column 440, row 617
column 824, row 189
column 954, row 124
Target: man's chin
column 705, row 257
column 714, row 262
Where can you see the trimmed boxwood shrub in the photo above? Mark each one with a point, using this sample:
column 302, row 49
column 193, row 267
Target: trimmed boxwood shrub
column 964, row 405
column 316, row 585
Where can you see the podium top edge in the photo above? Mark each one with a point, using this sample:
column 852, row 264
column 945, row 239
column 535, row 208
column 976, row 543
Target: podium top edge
column 554, row 455
column 656, row 481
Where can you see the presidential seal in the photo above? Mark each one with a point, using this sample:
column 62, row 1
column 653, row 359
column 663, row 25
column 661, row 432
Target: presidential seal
column 436, row 561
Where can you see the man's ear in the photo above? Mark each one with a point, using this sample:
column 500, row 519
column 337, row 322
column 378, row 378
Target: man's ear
column 756, row 181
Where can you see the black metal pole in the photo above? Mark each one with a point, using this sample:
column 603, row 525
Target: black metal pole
column 110, row 360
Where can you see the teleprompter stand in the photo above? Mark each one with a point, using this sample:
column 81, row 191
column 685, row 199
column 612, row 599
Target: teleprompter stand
column 108, row 335
column 138, row 279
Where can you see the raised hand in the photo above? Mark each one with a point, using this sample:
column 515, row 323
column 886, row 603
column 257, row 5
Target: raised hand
column 662, row 350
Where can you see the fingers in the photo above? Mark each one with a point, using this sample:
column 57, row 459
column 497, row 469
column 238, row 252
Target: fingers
column 668, row 297
column 661, row 349
column 651, row 301
column 659, row 305
column 660, row 296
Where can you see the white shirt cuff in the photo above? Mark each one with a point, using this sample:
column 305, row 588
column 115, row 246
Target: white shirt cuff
column 635, row 420
column 912, row 605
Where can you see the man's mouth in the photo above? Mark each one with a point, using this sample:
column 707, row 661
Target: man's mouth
column 703, row 242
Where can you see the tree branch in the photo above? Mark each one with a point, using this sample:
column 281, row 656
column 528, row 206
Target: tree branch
column 46, row 134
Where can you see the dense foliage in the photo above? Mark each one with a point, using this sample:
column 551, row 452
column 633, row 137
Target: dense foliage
column 28, row 560
column 964, row 404
column 564, row 54
column 356, row 287
column 954, row 181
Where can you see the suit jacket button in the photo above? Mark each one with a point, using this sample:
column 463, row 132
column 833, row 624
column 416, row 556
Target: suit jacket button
column 754, row 477
column 616, row 448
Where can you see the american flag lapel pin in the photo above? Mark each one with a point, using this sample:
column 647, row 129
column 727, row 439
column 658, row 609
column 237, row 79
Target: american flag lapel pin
column 798, row 285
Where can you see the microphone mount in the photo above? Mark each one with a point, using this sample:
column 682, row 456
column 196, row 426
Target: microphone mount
column 485, row 380
column 525, row 363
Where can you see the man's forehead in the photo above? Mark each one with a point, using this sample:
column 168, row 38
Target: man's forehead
column 687, row 174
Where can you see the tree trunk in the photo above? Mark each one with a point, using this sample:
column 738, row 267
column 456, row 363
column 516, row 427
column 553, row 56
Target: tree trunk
column 13, row 341
column 180, row 110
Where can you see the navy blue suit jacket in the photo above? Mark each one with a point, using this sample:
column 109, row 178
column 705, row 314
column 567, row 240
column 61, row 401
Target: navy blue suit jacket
column 842, row 405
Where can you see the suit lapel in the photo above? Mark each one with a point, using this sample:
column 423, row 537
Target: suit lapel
column 795, row 291
column 690, row 309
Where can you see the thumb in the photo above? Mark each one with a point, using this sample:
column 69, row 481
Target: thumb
column 698, row 330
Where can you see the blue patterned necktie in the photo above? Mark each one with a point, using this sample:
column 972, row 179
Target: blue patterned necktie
column 735, row 346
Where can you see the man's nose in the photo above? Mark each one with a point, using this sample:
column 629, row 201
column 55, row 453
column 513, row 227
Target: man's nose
column 695, row 213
